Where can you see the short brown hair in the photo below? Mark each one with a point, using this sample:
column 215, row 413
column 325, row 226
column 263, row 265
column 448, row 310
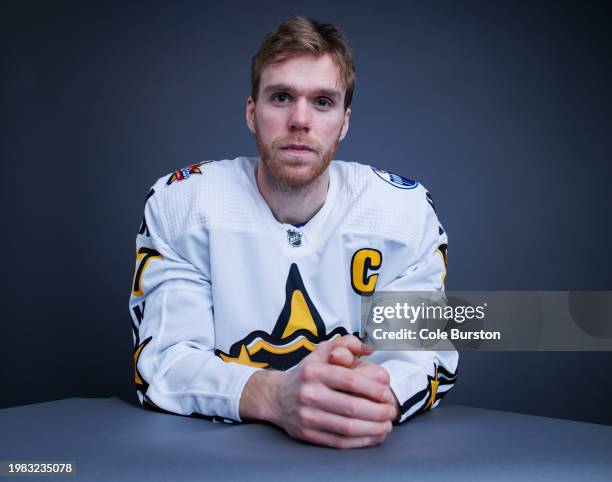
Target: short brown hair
column 300, row 35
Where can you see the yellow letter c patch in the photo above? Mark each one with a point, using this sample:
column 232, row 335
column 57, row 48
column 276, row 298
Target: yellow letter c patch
column 365, row 260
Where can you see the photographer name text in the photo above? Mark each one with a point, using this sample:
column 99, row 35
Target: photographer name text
column 437, row 334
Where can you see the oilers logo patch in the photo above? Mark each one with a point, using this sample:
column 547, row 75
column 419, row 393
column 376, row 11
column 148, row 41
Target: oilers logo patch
column 396, row 180
column 294, row 238
column 186, row 172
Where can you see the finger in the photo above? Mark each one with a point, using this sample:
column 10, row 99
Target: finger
column 351, row 342
column 313, row 418
column 336, row 441
column 355, row 345
column 342, row 356
column 333, row 401
column 373, row 371
column 347, row 380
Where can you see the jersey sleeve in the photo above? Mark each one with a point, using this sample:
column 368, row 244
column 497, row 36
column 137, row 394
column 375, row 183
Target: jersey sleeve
column 419, row 379
column 175, row 368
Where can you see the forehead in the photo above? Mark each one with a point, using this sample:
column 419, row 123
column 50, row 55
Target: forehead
column 304, row 73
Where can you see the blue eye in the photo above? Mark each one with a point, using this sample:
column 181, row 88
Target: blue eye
column 323, row 103
column 280, row 98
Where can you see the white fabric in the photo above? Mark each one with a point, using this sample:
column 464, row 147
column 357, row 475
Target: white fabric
column 223, row 281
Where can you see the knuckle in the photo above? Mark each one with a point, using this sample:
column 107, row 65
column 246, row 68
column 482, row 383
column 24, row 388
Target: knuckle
column 383, row 413
column 383, row 375
column 307, row 434
column 351, row 382
column 305, row 394
column 379, row 430
column 350, row 409
column 308, row 371
column 304, row 416
column 348, row 427
column 378, row 373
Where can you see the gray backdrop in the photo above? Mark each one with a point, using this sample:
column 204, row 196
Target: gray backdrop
column 503, row 111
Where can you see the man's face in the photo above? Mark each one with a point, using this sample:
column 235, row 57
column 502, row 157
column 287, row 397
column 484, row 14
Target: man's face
column 298, row 119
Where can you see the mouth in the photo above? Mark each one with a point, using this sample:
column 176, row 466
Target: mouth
column 297, row 149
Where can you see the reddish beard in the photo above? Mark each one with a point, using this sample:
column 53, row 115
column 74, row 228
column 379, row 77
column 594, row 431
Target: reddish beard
column 289, row 173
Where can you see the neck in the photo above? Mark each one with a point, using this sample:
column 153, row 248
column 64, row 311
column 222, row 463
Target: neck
column 294, row 206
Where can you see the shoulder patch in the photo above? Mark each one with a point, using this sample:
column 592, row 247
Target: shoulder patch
column 395, row 180
column 186, row 172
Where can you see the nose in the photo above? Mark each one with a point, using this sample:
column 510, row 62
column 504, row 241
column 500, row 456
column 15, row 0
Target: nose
column 299, row 118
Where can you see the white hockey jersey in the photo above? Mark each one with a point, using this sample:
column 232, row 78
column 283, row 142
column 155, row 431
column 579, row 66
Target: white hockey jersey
column 222, row 289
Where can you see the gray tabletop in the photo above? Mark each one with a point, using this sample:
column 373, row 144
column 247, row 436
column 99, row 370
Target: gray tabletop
column 111, row 440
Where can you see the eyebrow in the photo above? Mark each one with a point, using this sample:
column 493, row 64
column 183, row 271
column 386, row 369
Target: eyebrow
column 288, row 88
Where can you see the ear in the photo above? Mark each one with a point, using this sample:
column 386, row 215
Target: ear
column 345, row 123
column 250, row 114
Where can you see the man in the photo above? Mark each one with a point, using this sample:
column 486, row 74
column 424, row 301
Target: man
column 250, row 272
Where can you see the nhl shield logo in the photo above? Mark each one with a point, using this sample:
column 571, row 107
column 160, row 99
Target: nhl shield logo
column 294, row 238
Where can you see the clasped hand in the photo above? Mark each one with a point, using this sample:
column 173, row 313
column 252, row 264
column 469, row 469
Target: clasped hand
column 332, row 397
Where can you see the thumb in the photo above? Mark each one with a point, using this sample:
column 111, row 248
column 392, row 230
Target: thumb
column 342, row 356
column 351, row 343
